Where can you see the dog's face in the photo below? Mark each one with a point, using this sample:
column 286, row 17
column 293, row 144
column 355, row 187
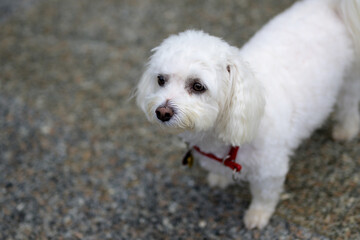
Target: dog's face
column 181, row 88
column 189, row 84
column 184, row 98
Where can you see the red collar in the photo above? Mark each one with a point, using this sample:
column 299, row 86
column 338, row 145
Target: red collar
column 228, row 160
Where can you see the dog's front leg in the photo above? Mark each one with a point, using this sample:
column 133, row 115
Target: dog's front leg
column 265, row 195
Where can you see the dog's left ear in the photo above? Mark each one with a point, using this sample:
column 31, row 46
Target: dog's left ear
column 240, row 117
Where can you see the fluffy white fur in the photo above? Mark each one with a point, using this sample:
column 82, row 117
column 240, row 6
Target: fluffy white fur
column 265, row 97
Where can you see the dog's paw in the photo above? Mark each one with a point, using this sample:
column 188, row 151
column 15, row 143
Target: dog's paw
column 257, row 218
column 215, row 180
column 347, row 131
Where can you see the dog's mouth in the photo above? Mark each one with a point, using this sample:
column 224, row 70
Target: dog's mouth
column 170, row 116
column 176, row 120
column 170, row 120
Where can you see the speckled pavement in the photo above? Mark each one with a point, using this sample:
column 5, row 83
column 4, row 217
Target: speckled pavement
column 79, row 161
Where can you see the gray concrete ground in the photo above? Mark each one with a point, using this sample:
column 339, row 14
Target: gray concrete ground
column 79, row 161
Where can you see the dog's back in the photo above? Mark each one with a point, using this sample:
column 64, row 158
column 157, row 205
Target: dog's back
column 303, row 55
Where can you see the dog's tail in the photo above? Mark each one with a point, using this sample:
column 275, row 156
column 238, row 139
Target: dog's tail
column 350, row 13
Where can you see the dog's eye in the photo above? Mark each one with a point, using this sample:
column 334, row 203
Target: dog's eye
column 161, row 80
column 198, row 87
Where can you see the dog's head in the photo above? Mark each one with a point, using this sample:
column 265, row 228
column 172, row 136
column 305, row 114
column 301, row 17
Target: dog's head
column 197, row 82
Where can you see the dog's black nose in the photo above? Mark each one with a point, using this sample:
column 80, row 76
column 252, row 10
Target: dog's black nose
column 164, row 113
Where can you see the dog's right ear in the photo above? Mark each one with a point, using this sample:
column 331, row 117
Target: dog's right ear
column 144, row 88
column 240, row 117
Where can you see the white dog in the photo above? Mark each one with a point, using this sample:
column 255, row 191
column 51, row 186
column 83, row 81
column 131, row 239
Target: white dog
column 251, row 107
